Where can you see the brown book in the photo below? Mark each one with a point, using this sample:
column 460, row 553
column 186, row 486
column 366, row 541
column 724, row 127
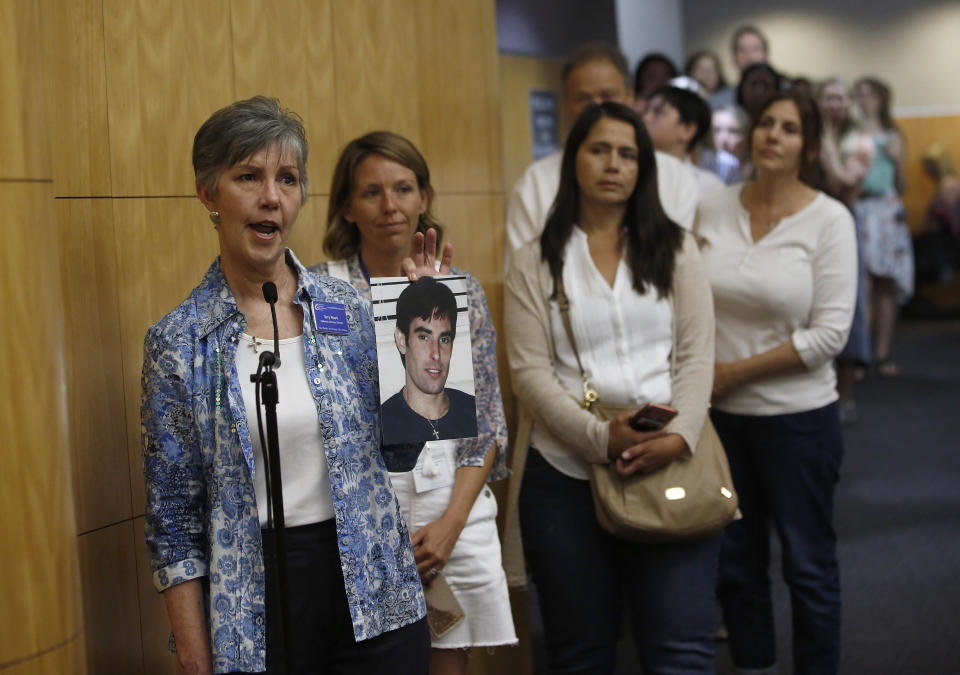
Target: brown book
column 443, row 611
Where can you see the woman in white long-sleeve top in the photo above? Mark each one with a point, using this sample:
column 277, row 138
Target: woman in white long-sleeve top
column 781, row 257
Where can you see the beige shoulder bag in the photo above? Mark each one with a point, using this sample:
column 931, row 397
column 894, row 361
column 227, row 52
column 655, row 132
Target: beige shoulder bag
column 691, row 497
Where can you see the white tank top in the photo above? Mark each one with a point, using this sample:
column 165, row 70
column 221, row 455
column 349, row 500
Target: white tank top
column 307, row 497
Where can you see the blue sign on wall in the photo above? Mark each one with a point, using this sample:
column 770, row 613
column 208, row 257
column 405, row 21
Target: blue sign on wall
column 543, row 122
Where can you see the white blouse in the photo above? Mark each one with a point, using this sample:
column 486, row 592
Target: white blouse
column 797, row 283
column 624, row 342
column 303, row 465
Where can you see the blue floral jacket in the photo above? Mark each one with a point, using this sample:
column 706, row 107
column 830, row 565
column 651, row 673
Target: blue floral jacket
column 201, row 517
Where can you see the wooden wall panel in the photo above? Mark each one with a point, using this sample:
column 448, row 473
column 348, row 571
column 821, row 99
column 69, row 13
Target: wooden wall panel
column 94, row 362
column 920, row 133
column 154, row 624
column 168, row 67
column 78, row 94
column 518, row 75
column 300, row 73
column 70, row 658
column 23, row 124
column 377, row 72
column 459, row 106
column 163, row 248
column 307, row 240
column 111, row 606
column 474, row 225
column 39, row 584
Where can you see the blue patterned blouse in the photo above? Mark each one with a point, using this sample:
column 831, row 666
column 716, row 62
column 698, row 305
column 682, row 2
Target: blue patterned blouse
column 491, row 424
column 201, row 518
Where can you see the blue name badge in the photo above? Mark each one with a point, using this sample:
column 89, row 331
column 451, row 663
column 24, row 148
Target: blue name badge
column 330, row 317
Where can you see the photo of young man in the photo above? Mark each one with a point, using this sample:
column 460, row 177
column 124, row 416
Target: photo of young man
column 425, row 408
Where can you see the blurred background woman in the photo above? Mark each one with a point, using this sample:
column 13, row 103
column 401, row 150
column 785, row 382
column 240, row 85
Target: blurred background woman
column 636, row 291
column 781, row 258
column 729, row 128
column 845, row 156
column 886, row 244
column 704, row 66
column 354, row 598
column 380, row 198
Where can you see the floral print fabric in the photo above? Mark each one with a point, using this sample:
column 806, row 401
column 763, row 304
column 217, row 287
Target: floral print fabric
column 201, row 517
column 885, row 241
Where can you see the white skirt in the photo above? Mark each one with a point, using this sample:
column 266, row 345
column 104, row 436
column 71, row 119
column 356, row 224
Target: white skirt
column 474, row 570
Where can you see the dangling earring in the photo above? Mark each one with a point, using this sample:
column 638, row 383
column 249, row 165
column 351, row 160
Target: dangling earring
column 215, row 217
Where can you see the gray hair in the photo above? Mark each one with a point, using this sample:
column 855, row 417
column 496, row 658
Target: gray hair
column 597, row 51
column 241, row 129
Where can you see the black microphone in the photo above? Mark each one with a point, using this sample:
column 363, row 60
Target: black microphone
column 270, row 295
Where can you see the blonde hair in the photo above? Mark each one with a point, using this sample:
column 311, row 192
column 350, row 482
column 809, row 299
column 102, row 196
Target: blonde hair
column 342, row 238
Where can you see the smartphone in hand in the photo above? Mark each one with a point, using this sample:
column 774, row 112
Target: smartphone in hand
column 652, row 417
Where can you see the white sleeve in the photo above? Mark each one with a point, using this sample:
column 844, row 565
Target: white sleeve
column 834, row 293
column 678, row 189
column 524, row 220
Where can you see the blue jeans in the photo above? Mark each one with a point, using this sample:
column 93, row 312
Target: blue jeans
column 785, row 469
column 584, row 576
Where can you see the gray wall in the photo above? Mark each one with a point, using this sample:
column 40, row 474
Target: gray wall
column 552, row 28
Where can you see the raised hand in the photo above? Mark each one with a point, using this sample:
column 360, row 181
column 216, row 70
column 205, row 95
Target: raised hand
column 423, row 257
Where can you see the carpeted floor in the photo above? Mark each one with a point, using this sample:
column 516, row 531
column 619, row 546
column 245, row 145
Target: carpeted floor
column 898, row 520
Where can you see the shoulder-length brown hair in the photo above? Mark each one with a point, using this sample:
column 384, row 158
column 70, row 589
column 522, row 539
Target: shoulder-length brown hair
column 811, row 129
column 342, row 238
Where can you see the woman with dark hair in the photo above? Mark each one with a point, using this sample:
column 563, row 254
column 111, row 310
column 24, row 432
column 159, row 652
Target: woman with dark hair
column 636, row 299
column 704, row 66
column 380, row 198
column 781, row 257
column 654, row 71
column 885, row 237
column 758, row 82
column 353, row 597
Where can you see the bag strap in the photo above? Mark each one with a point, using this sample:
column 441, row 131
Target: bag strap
column 563, row 303
column 338, row 270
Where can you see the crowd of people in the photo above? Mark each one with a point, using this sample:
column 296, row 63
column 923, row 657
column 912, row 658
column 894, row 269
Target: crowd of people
column 735, row 252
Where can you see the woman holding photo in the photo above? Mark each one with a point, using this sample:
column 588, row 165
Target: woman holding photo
column 380, row 198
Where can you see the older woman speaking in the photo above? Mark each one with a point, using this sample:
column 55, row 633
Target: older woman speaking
column 354, row 596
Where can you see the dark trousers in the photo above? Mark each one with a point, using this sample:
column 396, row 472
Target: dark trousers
column 321, row 630
column 785, row 469
column 584, row 576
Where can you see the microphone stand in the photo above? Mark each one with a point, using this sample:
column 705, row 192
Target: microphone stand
column 266, row 383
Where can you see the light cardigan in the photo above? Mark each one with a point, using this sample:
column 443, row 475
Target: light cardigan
column 530, row 349
column 798, row 284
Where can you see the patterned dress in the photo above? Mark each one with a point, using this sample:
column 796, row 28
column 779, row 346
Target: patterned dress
column 201, row 517
column 882, row 224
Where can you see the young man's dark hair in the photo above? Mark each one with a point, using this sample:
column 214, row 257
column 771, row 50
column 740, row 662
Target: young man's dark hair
column 692, row 110
column 424, row 299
